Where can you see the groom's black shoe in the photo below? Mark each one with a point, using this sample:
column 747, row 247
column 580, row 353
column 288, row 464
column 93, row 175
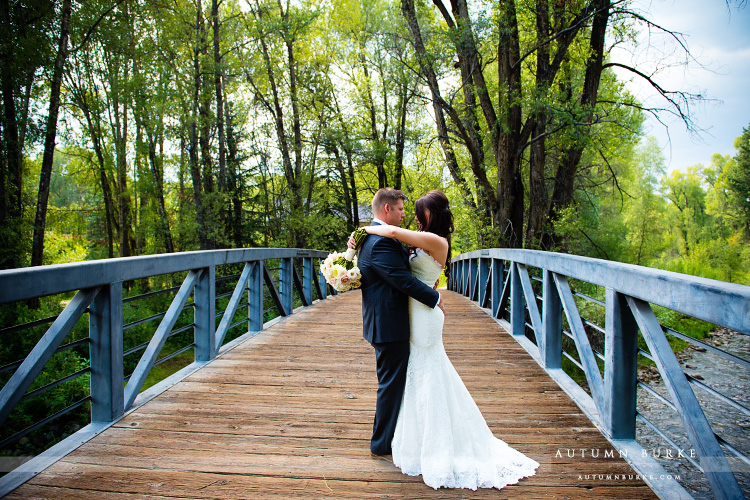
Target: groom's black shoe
column 378, row 455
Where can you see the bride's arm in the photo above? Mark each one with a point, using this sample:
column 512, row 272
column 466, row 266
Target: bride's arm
column 436, row 245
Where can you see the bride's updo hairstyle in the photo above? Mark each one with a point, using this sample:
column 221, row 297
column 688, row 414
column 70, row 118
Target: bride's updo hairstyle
column 440, row 219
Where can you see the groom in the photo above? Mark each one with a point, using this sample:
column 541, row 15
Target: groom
column 386, row 283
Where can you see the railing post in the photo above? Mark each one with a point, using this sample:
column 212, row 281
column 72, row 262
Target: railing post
column 205, row 315
column 552, row 321
column 454, row 277
column 105, row 353
column 255, row 297
column 307, row 278
column 621, row 365
column 484, row 273
column 286, row 284
column 497, row 285
column 473, row 268
column 323, row 282
column 517, row 308
column 465, row 277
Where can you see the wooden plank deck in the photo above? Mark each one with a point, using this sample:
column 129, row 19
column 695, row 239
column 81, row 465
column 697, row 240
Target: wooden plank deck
column 288, row 414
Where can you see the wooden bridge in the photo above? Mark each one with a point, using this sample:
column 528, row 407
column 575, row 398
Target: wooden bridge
column 286, row 410
column 288, row 414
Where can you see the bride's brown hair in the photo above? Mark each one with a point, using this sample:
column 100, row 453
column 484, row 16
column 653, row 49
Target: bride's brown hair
column 440, row 220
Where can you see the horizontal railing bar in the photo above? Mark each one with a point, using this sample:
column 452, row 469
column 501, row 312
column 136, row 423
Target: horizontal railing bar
column 646, row 421
column 155, row 316
column 599, row 355
column 135, row 349
column 658, row 396
column 646, row 355
column 589, row 298
column 10, row 366
column 734, row 450
column 16, row 364
column 30, row 324
column 174, row 354
column 54, row 384
column 221, row 296
column 719, row 395
column 145, row 344
column 571, row 358
column 219, row 279
column 142, row 321
column 709, row 347
column 238, row 323
column 150, row 294
column 41, row 281
column 15, row 437
column 593, row 325
column 182, row 329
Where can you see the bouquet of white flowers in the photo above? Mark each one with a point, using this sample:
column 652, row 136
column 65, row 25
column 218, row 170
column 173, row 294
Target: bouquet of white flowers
column 340, row 268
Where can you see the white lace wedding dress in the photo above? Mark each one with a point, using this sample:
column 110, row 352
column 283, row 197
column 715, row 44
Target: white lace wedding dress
column 440, row 432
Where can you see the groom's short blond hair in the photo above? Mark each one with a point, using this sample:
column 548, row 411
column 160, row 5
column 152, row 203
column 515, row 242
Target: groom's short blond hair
column 386, row 196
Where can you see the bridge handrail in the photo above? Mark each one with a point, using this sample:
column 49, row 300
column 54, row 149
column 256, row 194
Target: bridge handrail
column 630, row 290
column 99, row 292
column 718, row 302
column 41, row 281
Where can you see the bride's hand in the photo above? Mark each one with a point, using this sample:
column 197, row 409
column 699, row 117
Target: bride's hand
column 441, row 304
column 351, row 243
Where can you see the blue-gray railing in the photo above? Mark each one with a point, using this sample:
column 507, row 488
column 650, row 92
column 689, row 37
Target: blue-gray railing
column 500, row 281
column 98, row 288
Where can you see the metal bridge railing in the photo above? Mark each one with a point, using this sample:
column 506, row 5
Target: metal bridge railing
column 534, row 295
column 257, row 285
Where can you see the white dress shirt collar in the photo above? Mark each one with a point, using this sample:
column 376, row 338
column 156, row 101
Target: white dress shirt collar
column 375, row 219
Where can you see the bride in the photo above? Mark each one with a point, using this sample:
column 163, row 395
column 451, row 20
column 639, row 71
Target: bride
column 440, row 432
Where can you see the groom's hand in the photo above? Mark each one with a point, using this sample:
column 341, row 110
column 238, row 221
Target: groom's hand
column 441, row 304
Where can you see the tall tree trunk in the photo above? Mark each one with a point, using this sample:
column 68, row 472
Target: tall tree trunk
column 403, row 106
column 537, row 214
column 507, row 136
column 292, row 171
column 93, row 123
column 195, row 172
column 407, row 7
column 564, row 184
column 289, row 40
column 344, row 184
column 378, row 152
column 40, row 222
column 466, row 121
column 14, row 182
column 157, row 174
column 352, row 186
column 233, row 178
column 218, row 83
column 349, row 153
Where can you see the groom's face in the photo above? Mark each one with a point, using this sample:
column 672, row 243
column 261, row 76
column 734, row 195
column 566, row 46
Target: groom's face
column 394, row 213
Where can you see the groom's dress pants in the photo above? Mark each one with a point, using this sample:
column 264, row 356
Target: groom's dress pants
column 392, row 360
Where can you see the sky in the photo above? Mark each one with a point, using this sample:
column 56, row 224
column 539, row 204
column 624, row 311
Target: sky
column 718, row 37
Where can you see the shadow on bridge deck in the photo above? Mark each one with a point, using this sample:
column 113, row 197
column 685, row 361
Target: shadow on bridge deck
column 288, row 414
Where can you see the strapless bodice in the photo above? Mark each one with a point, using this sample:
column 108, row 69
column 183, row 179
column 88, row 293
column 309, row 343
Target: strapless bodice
column 424, row 267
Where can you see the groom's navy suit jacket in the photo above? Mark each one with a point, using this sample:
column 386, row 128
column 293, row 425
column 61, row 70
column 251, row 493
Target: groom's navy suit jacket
column 386, row 283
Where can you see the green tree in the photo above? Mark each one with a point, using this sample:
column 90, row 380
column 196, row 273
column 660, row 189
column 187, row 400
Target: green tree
column 738, row 180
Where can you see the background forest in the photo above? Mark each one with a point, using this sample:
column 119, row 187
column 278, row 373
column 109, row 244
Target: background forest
column 198, row 124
